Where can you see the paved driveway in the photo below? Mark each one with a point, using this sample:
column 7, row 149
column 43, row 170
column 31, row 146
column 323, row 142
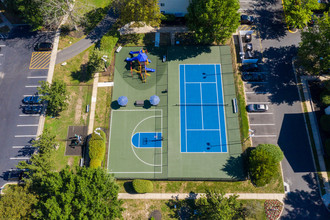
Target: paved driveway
column 17, row 81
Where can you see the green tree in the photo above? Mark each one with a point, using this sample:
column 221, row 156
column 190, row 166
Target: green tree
column 56, row 96
column 95, row 62
column 215, row 206
column 16, row 203
column 299, row 12
column 314, row 48
column 275, row 151
column 213, row 20
column 325, row 123
column 262, row 167
column 41, row 13
column 43, row 161
column 139, row 11
column 83, row 194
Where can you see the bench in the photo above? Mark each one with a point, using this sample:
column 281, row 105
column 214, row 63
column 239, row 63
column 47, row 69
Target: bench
column 119, row 49
column 139, row 103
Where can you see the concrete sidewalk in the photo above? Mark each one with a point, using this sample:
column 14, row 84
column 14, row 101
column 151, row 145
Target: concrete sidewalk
column 168, row 196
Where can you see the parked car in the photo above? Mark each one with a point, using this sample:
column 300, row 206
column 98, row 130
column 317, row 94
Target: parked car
column 32, row 100
column 253, row 77
column 247, row 19
column 257, row 108
column 248, row 38
column 32, row 109
column 43, row 46
column 16, row 174
column 250, row 67
column 249, row 47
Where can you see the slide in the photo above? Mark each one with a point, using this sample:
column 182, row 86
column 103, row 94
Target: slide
column 131, row 59
column 149, row 69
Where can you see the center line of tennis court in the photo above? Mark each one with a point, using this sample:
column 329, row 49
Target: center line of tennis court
column 200, row 86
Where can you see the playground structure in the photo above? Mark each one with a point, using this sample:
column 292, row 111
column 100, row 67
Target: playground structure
column 143, row 61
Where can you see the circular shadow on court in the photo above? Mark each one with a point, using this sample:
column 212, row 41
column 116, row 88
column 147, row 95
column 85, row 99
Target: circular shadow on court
column 115, row 105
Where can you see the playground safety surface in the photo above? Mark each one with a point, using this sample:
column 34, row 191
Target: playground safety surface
column 126, row 161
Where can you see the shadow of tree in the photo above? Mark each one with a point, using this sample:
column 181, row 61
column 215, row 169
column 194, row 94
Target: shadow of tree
column 180, row 53
column 301, row 204
column 128, row 186
column 82, row 75
column 183, row 209
column 233, row 167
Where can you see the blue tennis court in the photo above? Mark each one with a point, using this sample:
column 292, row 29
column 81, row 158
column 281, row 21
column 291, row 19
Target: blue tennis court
column 147, row 139
column 202, row 111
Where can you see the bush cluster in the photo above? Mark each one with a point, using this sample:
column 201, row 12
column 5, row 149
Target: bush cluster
column 263, row 161
column 143, row 186
column 97, row 148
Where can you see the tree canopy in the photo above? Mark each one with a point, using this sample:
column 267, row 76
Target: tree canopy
column 213, row 20
column 262, row 166
column 138, row 11
column 86, row 193
column 314, row 48
column 56, row 95
column 215, row 206
column 275, row 151
column 299, row 12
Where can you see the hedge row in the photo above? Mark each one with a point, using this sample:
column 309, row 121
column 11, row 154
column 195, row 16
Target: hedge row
column 143, row 186
column 97, row 148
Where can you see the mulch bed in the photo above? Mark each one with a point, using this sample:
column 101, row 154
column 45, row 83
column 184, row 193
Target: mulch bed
column 273, row 209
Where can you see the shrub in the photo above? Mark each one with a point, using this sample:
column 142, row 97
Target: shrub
column 325, row 123
column 109, row 41
column 96, row 135
column 95, row 62
column 275, row 151
column 327, row 146
column 95, row 163
column 261, row 167
column 325, row 98
column 97, row 149
column 143, row 186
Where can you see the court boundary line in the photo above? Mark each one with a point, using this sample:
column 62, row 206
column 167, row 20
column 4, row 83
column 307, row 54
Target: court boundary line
column 185, row 152
column 224, row 111
column 110, row 132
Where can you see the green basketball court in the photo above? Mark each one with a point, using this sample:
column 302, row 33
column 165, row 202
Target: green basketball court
column 145, row 142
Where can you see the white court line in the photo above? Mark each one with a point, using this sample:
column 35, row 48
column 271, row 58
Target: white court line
column 217, row 91
column 185, row 107
column 33, row 115
column 202, row 129
column 261, row 124
column 36, row 77
column 20, row 158
column 28, row 125
column 259, row 113
column 18, row 136
column 34, row 86
column 266, row 135
column 199, row 82
column 200, row 86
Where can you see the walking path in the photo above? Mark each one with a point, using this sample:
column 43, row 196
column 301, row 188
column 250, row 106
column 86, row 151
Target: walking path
column 102, row 28
column 168, row 196
column 126, row 29
column 93, row 104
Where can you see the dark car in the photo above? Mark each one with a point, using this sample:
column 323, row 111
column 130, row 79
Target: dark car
column 247, row 19
column 250, row 67
column 257, row 108
column 16, row 174
column 32, row 100
column 32, row 109
column 43, row 46
column 248, row 38
column 253, row 77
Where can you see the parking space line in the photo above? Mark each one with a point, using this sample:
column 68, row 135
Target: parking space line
column 257, row 92
column 261, row 124
column 28, row 125
column 19, row 147
column 20, row 158
column 32, row 115
column 260, row 113
column 258, row 102
column 36, row 77
column 22, row 136
column 266, row 135
column 34, row 86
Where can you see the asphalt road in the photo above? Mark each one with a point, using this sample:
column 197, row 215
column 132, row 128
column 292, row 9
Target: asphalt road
column 286, row 119
column 17, row 81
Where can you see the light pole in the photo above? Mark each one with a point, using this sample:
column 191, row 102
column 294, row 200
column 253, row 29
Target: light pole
column 251, row 134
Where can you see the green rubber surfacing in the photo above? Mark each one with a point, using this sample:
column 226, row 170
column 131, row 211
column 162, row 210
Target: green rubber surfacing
column 127, row 162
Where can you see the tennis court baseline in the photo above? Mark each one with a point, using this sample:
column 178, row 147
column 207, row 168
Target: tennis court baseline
column 202, row 109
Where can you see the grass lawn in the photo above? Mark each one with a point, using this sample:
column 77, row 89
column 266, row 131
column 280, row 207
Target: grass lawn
column 102, row 111
column 276, row 186
column 79, row 97
column 141, row 209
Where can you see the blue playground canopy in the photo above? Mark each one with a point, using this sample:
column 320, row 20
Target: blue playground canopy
column 154, row 100
column 142, row 57
column 122, row 100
